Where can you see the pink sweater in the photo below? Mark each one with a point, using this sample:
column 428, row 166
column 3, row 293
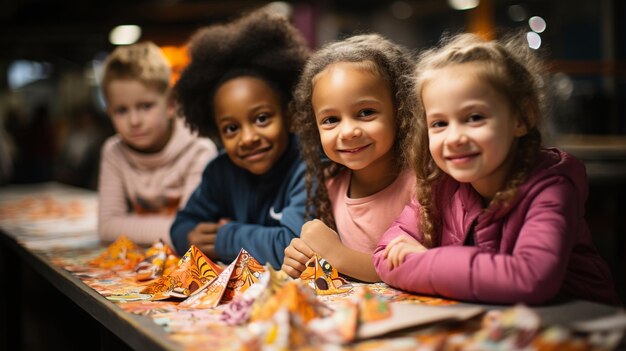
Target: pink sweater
column 361, row 222
column 536, row 248
column 139, row 194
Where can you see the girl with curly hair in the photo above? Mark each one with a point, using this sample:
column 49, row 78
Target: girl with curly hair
column 354, row 105
column 497, row 218
column 237, row 89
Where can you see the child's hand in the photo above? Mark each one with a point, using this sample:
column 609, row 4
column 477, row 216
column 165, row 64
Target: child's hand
column 399, row 247
column 296, row 256
column 204, row 235
column 320, row 238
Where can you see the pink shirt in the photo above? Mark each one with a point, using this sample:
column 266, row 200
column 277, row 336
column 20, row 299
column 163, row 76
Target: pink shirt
column 139, row 194
column 362, row 222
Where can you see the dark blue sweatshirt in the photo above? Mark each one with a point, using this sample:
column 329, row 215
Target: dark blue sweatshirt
column 266, row 211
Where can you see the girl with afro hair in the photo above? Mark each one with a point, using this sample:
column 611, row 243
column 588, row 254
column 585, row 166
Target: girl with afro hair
column 237, row 89
column 355, row 104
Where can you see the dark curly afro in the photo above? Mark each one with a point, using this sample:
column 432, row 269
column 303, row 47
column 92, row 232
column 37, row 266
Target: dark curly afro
column 259, row 44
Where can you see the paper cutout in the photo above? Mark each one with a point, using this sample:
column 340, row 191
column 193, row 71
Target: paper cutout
column 364, row 307
column 297, row 298
column 512, row 329
column 244, row 271
column 160, row 259
column 281, row 332
column 122, row 254
column 372, row 307
column 193, row 271
column 128, row 297
column 409, row 315
column 239, row 310
column 323, row 277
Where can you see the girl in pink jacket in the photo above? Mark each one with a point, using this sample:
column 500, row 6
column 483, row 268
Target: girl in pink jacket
column 497, row 218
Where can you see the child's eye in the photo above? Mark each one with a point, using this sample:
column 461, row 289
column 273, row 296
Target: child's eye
column 262, row 119
column 229, row 129
column 475, row 118
column 329, row 120
column 438, row 124
column 366, row 112
column 146, row 105
column 120, row 111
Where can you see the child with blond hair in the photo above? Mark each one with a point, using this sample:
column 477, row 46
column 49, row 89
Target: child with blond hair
column 154, row 162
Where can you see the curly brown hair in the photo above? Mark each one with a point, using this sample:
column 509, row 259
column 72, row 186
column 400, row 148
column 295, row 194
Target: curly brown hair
column 259, row 44
column 513, row 70
column 393, row 63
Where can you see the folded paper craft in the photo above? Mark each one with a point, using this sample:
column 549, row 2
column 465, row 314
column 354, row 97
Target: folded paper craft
column 242, row 273
column 323, row 277
column 193, row 271
column 123, row 254
column 160, row 259
column 297, row 298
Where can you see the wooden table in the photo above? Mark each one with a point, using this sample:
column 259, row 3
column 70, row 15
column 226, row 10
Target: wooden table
column 46, row 307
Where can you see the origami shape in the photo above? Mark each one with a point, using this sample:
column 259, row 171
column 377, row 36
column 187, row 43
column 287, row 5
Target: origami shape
column 282, row 322
column 323, row 278
column 244, row 271
column 122, row 254
column 342, row 326
column 239, row 310
column 160, row 259
column 297, row 298
column 281, row 332
column 194, row 271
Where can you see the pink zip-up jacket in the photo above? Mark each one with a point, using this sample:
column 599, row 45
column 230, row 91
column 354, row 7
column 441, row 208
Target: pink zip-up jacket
column 529, row 252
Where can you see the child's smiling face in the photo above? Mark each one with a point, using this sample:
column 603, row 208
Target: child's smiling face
column 355, row 116
column 251, row 123
column 471, row 129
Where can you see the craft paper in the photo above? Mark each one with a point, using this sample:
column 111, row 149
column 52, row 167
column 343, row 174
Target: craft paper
column 297, row 298
column 239, row 310
column 364, row 307
column 194, row 270
column 372, row 307
column 160, row 259
column 236, row 278
column 282, row 332
column 408, row 315
column 122, row 254
column 323, row 277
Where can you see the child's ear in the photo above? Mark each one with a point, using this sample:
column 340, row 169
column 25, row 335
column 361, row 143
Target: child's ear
column 520, row 128
column 172, row 107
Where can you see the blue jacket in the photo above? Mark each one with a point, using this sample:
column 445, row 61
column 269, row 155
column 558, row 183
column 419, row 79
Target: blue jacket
column 266, row 211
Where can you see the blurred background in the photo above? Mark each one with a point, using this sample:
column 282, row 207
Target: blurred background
column 52, row 121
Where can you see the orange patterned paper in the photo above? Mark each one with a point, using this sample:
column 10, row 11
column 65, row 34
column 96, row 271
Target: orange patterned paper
column 236, row 278
column 122, row 254
column 194, row 270
column 323, row 278
column 296, row 298
column 372, row 307
column 159, row 258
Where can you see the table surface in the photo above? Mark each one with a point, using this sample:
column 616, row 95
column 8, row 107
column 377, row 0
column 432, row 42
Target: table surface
column 19, row 233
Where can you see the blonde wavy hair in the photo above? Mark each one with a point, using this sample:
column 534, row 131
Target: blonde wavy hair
column 143, row 62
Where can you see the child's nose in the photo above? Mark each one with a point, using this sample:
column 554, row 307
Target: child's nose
column 350, row 130
column 134, row 117
column 456, row 135
column 248, row 136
